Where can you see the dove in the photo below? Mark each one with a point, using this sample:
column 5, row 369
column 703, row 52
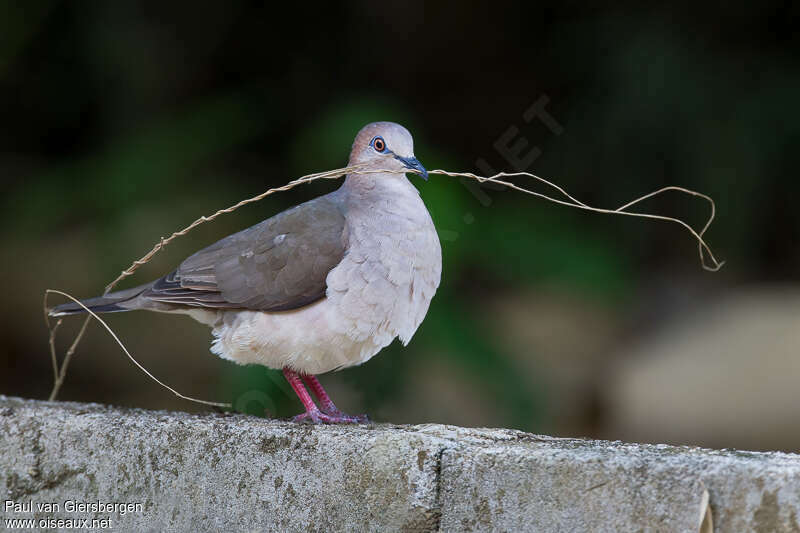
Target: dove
column 319, row 287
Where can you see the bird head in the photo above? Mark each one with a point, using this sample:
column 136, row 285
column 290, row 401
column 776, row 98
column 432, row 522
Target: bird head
column 386, row 146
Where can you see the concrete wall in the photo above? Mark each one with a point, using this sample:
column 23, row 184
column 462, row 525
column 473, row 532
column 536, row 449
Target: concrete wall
column 237, row 473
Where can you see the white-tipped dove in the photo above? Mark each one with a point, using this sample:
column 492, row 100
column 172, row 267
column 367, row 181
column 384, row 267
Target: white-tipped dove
column 322, row 286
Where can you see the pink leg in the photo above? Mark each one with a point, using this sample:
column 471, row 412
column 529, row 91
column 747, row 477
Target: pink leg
column 312, row 411
column 328, row 407
column 316, row 387
column 294, row 380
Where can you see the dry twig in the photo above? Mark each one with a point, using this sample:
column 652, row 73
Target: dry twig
column 59, row 372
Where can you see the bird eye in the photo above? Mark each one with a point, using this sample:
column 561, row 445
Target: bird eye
column 379, row 144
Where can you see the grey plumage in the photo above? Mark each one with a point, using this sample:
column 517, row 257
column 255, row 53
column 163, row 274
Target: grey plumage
column 101, row 304
column 321, row 286
column 276, row 265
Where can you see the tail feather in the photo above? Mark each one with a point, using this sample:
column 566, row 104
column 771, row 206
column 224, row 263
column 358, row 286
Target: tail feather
column 110, row 303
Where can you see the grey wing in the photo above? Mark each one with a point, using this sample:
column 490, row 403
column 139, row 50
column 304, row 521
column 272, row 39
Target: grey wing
column 276, row 265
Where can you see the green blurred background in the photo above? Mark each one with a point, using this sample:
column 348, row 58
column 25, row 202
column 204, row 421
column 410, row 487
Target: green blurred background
column 124, row 121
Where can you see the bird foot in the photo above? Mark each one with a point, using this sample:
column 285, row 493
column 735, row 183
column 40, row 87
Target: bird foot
column 315, row 416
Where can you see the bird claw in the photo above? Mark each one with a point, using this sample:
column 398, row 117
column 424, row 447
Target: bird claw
column 318, row 417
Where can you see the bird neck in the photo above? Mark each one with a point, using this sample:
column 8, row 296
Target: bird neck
column 378, row 184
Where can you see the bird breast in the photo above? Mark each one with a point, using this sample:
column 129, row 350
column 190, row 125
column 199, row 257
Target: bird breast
column 384, row 285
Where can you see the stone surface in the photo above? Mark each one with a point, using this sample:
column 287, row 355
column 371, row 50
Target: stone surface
column 238, row 473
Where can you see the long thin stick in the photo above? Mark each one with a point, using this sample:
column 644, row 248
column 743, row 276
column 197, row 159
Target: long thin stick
column 59, row 374
column 702, row 246
column 124, row 349
column 67, row 358
column 52, row 340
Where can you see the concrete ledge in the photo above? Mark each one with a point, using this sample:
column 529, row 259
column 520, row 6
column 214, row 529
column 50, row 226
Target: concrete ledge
column 237, row 473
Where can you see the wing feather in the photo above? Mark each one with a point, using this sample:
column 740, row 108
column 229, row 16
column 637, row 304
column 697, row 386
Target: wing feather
column 279, row 264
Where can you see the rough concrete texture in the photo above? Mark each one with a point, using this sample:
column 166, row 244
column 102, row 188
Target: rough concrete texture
column 238, row 473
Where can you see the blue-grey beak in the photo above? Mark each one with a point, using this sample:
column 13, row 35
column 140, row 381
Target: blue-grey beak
column 413, row 164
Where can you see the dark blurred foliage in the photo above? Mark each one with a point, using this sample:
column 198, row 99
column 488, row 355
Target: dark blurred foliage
column 123, row 121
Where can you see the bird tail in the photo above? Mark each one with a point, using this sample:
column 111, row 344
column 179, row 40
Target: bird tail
column 109, row 303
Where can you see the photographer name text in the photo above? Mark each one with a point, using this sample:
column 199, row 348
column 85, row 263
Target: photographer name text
column 73, row 506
